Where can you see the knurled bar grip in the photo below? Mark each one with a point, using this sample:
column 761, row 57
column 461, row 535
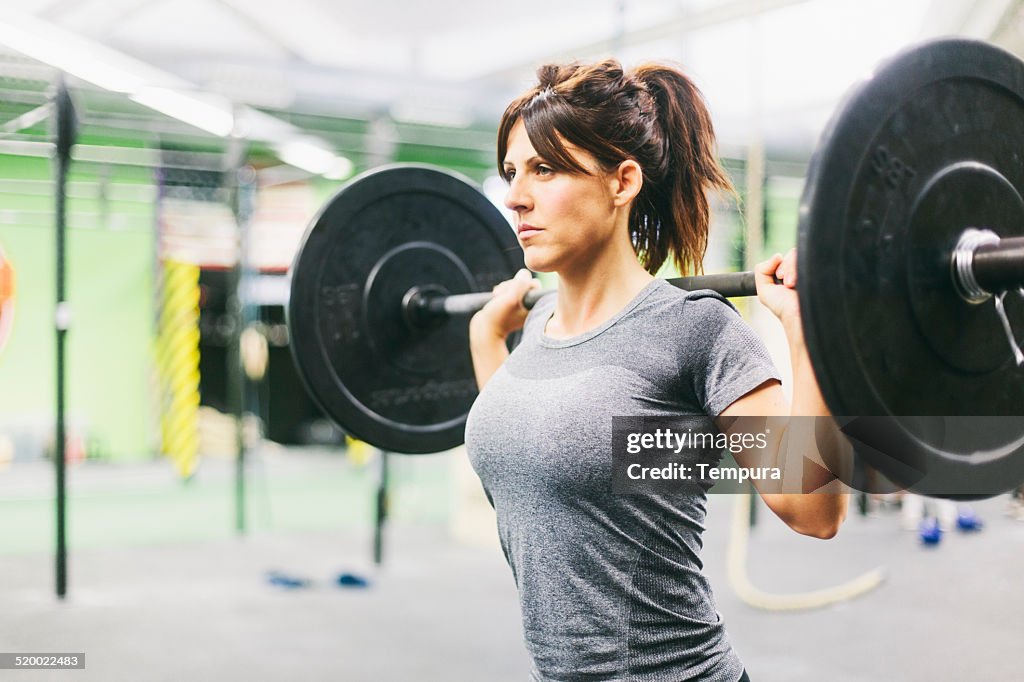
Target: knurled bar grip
column 728, row 284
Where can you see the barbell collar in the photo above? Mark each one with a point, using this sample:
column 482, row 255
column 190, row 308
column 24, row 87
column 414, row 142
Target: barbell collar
column 962, row 264
column 983, row 264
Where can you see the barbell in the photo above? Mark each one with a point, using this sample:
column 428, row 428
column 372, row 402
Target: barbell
column 911, row 278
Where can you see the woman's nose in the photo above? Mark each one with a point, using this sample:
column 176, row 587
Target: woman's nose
column 516, row 198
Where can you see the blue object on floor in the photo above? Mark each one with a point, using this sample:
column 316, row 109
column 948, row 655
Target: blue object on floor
column 929, row 532
column 968, row 522
column 352, row 580
column 279, row 579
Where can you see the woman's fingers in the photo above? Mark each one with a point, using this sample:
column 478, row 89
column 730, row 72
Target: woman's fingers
column 788, row 269
column 523, row 282
column 513, row 290
column 766, row 271
column 778, row 269
column 505, row 311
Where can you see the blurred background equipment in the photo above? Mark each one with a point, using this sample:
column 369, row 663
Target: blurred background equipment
column 177, row 359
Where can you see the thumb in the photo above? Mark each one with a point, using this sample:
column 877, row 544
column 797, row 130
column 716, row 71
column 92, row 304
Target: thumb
column 766, row 269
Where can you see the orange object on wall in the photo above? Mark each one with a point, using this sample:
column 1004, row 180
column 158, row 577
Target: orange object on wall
column 6, row 279
column 6, row 298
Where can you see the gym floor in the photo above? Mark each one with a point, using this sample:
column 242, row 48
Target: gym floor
column 161, row 589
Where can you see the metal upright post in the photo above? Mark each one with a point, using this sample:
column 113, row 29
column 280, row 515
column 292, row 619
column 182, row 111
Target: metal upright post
column 64, row 115
column 244, row 186
column 381, row 511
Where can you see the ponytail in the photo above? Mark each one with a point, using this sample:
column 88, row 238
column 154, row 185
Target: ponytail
column 679, row 222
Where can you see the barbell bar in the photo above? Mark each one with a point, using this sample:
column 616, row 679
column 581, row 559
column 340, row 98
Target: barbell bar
column 421, row 304
column 978, row 269
column 910, row 243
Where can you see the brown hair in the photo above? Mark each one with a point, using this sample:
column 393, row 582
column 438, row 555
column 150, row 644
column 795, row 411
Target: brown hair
column 654, row 115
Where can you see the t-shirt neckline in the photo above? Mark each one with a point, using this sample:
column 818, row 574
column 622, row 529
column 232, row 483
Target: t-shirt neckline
column 550, row 342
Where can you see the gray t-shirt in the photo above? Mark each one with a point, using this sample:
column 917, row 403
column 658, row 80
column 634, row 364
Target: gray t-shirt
column 610, row 586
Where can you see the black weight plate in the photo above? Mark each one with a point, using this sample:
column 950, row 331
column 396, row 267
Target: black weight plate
column 397, row 387
column 929, row 146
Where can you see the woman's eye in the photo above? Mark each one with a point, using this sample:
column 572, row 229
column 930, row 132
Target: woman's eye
column 509, row 174
column 545, row 170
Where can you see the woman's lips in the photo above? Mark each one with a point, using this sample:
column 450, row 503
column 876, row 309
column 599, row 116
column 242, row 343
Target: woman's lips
column 526, row 231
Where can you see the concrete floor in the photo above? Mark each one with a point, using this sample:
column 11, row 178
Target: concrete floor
column 437, row 610
column 949, row 612
column 207, row 611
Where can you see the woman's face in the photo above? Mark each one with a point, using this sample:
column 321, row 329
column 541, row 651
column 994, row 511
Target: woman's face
column 563, row 219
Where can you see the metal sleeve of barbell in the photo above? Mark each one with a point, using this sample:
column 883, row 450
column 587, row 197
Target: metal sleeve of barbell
column 1000, row 267
column 728, row 284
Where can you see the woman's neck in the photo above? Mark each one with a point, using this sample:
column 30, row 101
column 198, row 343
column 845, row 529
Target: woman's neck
column 594, row 293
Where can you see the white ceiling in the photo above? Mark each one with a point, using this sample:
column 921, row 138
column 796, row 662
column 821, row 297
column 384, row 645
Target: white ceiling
column 769, row 68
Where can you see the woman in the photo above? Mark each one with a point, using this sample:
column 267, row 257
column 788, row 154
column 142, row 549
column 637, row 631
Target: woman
column 608, row 173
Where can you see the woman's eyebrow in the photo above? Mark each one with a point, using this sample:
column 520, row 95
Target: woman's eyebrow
column 532, row 159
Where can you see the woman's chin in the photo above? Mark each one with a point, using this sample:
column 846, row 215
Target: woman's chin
column 536, row 262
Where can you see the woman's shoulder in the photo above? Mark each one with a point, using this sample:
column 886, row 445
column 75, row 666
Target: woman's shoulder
column 696, row 306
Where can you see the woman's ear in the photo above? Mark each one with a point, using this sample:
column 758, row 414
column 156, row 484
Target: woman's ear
column 627, row 181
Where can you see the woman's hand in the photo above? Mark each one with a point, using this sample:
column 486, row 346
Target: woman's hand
column 780, row 298
column 502, row 315
column 505, row 312
column 783, row 301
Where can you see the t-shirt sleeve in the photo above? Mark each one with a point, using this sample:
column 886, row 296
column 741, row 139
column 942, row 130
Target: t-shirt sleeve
column 722, row 354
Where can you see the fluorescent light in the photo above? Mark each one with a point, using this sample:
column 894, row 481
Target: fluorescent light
column 89, row 61
column 305, row 155
column 187, row 107
column 314, row 158
column 254, row 124
column 340, row 169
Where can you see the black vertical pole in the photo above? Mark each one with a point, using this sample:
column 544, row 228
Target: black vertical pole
column 243, row 183
column 381, row 511
column 236, row 395
column 64, row 115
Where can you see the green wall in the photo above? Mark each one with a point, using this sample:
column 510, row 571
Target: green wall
column 110, row 290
